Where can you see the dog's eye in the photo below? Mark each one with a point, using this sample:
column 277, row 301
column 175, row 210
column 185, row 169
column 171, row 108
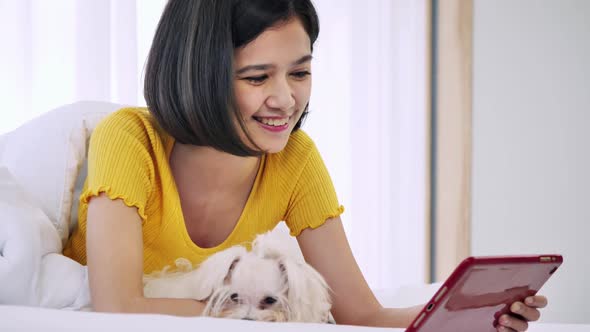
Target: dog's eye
column 234, row 297
column 269, row 300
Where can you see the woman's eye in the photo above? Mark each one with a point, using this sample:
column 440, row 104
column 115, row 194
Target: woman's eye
column 301, row 74
column 256, row 79
column 269, row 300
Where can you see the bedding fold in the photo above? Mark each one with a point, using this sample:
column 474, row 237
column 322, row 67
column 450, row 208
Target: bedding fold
column 33, row 272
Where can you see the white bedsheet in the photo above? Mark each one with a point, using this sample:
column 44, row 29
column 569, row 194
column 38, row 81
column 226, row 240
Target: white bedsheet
column 14, row 318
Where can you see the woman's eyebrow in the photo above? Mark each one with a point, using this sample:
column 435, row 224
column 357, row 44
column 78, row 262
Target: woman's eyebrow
column 302, row 60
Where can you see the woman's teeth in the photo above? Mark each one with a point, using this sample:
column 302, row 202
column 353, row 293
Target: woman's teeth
column 273, row 122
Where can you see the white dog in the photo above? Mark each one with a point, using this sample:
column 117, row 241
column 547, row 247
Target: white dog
column 265, row 284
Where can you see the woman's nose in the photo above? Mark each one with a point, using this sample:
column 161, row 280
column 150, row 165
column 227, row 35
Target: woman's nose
column 281, row 96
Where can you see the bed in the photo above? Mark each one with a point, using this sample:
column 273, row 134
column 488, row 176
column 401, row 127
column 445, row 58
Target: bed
column 15, row 318
column 21, row 318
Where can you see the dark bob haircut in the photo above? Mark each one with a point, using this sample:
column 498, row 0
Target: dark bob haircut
column 189, row 73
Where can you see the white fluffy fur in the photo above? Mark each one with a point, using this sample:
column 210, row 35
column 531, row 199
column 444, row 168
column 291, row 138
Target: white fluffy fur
column 270, row 270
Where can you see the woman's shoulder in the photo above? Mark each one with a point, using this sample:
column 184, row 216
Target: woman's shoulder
column 293, row 158
column 134, row 123
column 299, row 143
column 127, row 118
column 130, row 129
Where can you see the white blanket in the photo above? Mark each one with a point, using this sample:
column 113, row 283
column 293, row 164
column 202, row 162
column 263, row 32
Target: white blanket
column 41, row 173
column 32, row 270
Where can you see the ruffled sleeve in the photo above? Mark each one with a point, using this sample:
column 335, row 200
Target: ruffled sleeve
column 120, row 162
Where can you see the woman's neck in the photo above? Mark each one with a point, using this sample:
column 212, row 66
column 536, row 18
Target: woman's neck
column 207, row 170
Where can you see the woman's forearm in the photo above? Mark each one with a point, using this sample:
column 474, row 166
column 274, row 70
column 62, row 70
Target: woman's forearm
column 175, row 307
column 393, row 317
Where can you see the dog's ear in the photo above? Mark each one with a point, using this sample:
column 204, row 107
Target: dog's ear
column 214, row 272
column 307, row 294
column 195, row 284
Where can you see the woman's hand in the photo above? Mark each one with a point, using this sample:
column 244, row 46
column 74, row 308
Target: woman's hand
column 522, row 313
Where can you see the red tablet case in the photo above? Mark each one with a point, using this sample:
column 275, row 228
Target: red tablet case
column 481, row 289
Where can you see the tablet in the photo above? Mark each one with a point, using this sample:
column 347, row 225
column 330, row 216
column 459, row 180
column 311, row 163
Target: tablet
column 481, row 289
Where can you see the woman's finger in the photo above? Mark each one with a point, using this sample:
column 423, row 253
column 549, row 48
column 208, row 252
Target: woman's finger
column 528, row 313
column 513, row 323
column 538, row 301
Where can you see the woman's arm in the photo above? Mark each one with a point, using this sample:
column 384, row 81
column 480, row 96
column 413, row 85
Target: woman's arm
column 327, row 250
column 115, row 262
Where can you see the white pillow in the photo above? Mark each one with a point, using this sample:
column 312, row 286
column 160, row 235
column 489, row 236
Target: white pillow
column 46, row 154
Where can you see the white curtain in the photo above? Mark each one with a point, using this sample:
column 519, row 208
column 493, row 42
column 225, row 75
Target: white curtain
column 61, row 51
column 368, row 102
column 369, row 121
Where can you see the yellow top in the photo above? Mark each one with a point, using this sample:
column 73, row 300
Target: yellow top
column 128, row 158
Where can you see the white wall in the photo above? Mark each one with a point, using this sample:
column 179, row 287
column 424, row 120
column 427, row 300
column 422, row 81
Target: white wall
column 531, row 113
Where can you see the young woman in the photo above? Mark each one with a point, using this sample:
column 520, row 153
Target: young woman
column 218, row 157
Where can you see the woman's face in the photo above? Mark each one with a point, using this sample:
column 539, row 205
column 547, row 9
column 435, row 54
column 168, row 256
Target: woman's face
column 272, row 84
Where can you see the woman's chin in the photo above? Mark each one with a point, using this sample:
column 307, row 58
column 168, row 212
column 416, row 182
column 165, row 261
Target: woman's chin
column 273, row 147
column 271, row 142
column 272, row 150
